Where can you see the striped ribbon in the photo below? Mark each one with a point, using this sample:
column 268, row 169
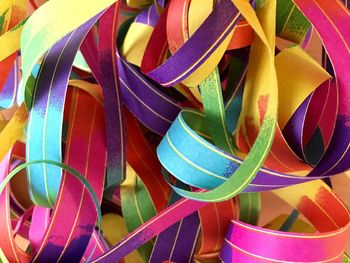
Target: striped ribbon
column 145, row 131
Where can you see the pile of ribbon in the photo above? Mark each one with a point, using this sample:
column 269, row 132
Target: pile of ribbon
column 146, row 130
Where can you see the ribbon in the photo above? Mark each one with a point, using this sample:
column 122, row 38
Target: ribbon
column 154, row 131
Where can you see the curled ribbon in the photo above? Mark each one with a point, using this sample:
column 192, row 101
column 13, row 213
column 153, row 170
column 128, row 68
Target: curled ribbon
column 151, row 131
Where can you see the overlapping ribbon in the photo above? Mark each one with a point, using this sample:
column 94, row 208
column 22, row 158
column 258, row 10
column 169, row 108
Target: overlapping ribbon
column 145, row 131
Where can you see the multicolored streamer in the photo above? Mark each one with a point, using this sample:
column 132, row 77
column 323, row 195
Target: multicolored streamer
column 154, row 131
